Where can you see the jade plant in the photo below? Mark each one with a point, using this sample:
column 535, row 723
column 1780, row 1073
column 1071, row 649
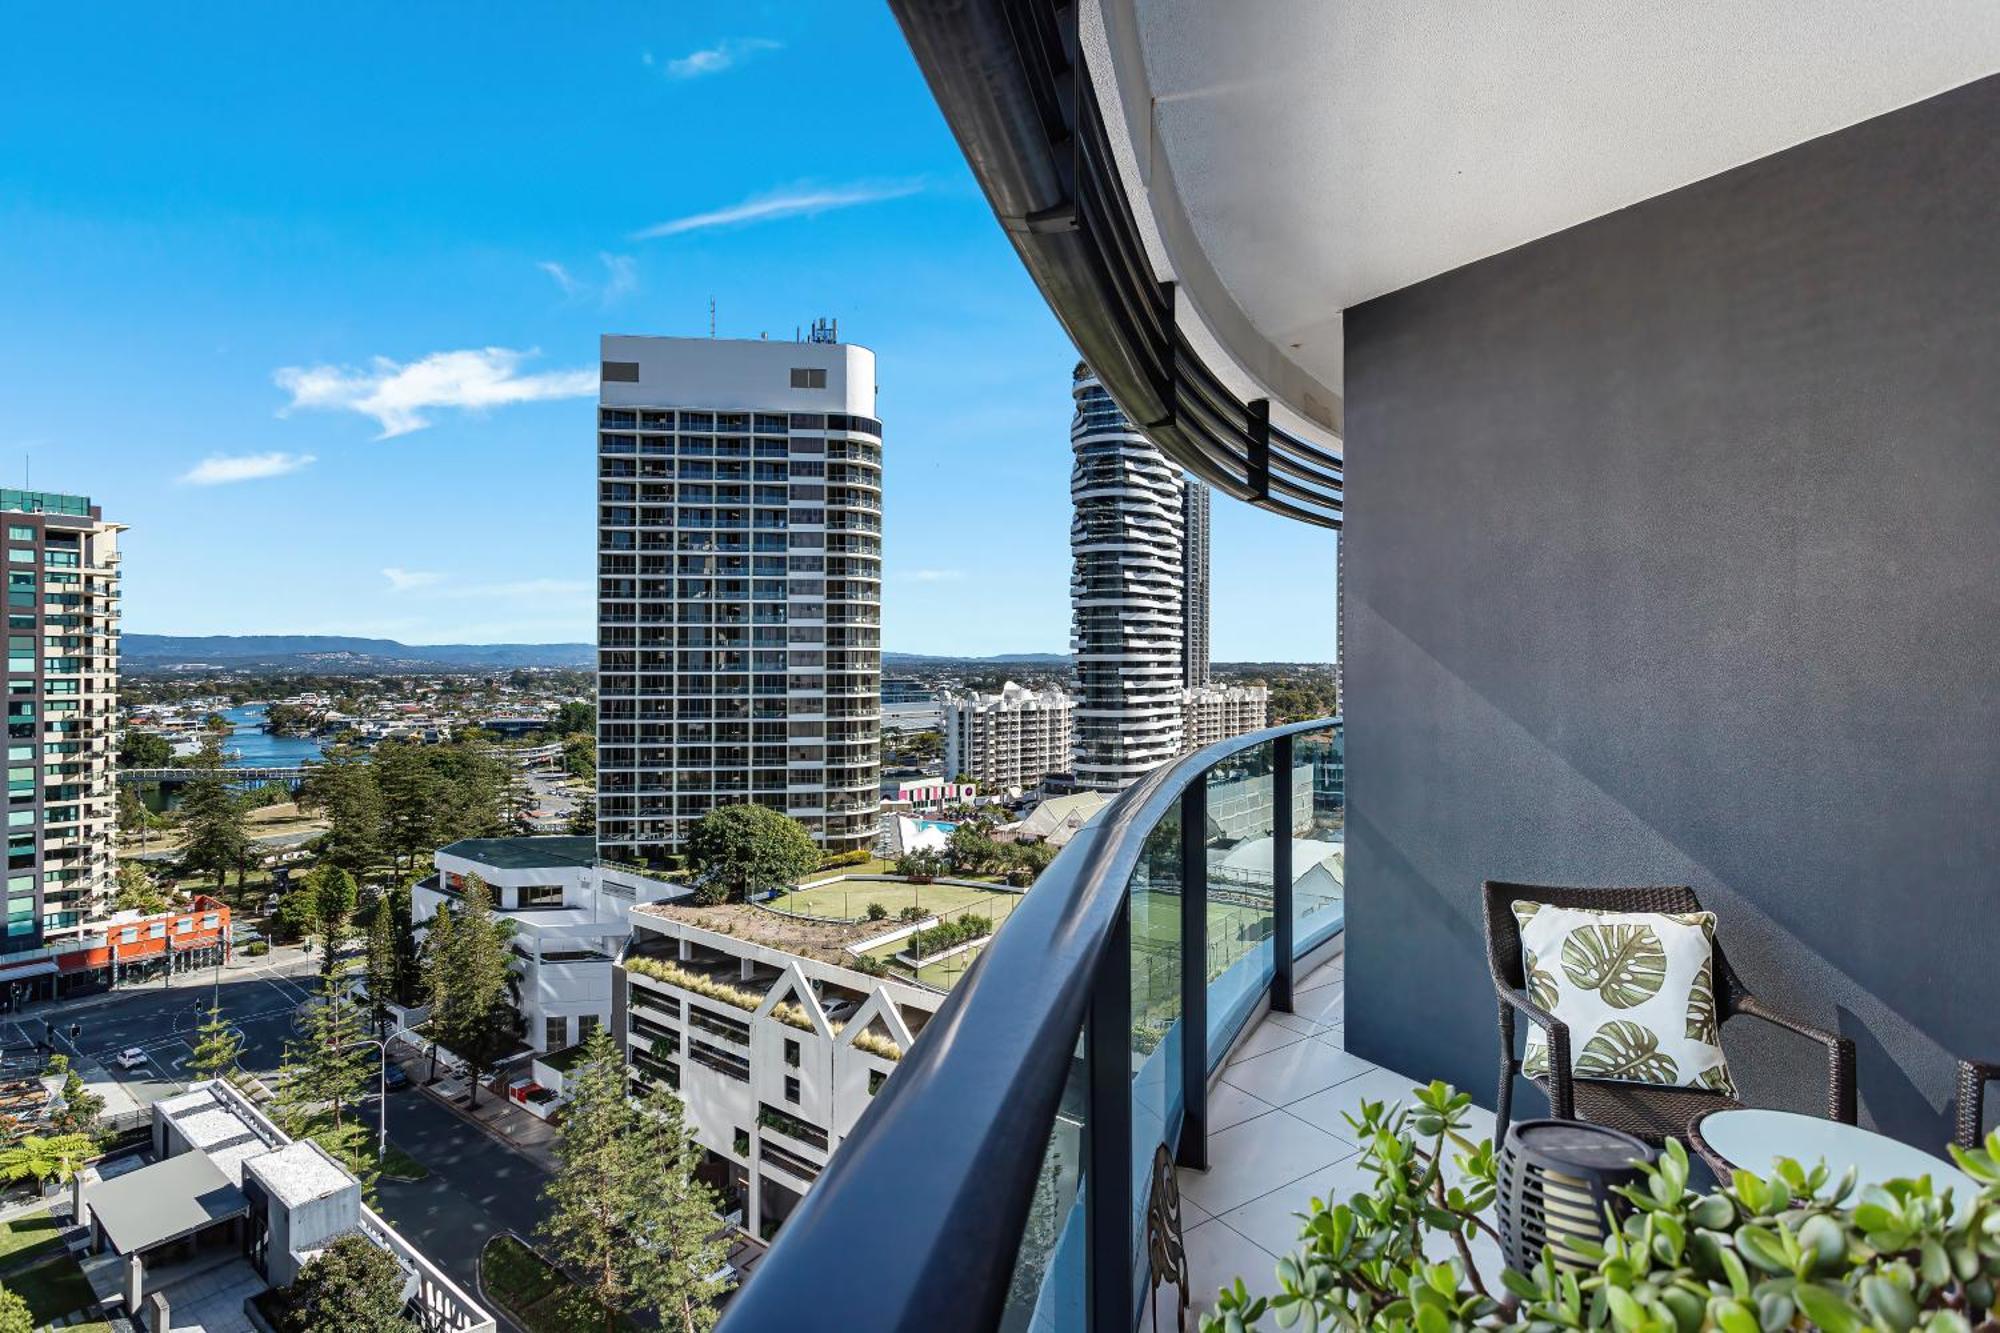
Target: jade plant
column 1793, row 1250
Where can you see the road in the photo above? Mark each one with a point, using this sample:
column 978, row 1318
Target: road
column 477, row 1188
column 162, row 1021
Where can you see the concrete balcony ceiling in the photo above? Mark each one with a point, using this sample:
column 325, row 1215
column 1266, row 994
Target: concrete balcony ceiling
column 1291, row 158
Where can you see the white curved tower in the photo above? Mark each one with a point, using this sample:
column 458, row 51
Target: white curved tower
column 1126, row 594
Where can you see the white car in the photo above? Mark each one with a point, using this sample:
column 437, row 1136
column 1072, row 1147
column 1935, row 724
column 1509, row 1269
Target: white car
column 131, row 1058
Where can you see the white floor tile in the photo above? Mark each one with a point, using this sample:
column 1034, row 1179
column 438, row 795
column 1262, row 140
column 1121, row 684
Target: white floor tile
column 1295, row 1071
column 1230, row 1105
column 1328, row 1109
column 1254, row 1157
column 1325, row 1004
column 1216, row 1257
column 1294, row 1022
column 1272, row 1220
column 1266, row 1038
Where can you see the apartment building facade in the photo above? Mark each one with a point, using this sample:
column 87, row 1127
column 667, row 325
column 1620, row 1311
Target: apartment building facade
column 62, row 709
column 1194, row 583
column 1014, row 738
column 1212, row 712
column 774, row 1055
column 571, row 916
column 740, row 569
column 1127, row 600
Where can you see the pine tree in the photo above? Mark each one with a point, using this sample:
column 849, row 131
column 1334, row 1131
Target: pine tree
column 587, row 1200
column 217, row 1047
column 676, row 1213
column 440, row 956
column 327, row 1070
column 481, row 1021
column 212, row 818
column 334, row 895
column 383, row 965
column 627, row 1171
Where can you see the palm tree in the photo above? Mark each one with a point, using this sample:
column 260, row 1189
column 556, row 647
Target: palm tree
column 40, row 1156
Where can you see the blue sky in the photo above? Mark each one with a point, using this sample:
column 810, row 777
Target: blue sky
column 308, row 295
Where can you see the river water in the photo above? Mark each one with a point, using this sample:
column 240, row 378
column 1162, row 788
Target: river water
column 250, row 746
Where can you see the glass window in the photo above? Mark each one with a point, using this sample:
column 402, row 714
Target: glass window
column 15, row 532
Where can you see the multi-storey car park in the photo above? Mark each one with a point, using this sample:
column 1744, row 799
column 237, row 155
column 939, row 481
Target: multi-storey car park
column 62, row 709
column 740, row 574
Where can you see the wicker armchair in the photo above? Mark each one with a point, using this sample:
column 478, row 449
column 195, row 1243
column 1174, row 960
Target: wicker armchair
column 1973, row 1076
column 1652, row 1113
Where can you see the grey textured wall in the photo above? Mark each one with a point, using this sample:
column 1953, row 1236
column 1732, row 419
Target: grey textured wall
column 1673, row 556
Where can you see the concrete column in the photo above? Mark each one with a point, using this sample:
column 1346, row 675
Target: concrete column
column 682, row 949
column 135, row 1282
column 78, row 1207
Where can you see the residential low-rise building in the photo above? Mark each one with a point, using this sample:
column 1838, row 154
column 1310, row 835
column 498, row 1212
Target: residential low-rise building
column 1211, row 713
column 232, row 1206
column 1012, row 739
column 571, row 916
column 775, row 1042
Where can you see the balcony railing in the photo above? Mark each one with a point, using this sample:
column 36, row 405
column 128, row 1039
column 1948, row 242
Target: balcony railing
column 1000, row 1180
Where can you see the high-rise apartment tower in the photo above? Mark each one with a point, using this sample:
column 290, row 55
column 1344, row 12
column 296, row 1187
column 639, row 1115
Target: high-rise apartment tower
column 1194, row 583
column 62, row 712
column 1126, row 598
column 739, row 587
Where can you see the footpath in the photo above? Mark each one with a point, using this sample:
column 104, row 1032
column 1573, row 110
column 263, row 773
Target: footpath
column 495, row 1116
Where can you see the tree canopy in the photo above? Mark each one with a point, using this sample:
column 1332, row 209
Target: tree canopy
column 627, row 1171
column 353, row 1286
column 737, row 849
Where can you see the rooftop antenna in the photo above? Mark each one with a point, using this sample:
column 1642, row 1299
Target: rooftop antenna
column 825, row 331
column 711, row 316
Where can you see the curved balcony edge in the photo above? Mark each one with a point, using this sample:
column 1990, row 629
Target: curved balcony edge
column 917, row 1220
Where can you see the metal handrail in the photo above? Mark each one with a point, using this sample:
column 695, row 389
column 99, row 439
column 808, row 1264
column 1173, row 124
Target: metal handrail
column 916, row 1222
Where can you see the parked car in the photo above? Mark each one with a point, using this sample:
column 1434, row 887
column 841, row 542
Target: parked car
column 396, row 1078
column 131, row 1058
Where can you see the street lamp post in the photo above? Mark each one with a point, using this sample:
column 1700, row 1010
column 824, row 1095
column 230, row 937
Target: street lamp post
column 382, row 1100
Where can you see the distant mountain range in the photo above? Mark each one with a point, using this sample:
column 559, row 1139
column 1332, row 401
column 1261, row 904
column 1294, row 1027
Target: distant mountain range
column 890, row 660
column 334, row 653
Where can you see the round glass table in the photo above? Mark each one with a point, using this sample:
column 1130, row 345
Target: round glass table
column 1751, row 1139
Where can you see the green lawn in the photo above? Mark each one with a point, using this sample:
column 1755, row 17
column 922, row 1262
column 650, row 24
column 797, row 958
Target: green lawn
column 849, row 900
column 26, row 1236
column 53, row 1289
column 539, row 1297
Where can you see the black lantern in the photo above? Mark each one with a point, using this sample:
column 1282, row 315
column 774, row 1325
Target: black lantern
column 1556, row 1181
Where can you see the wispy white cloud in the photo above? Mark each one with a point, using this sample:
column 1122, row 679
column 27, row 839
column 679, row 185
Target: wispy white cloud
column 621, row 279
column 935, row 575
column 399, row 395
column 793, row 201
column 561, row 275
column 222, row 469
column 728, row 52
column 402, row 580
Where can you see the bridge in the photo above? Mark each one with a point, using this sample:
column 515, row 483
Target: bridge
column 255, row 775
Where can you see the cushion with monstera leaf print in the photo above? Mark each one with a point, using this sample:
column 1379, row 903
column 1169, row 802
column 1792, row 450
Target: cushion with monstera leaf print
column 1637, row 990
